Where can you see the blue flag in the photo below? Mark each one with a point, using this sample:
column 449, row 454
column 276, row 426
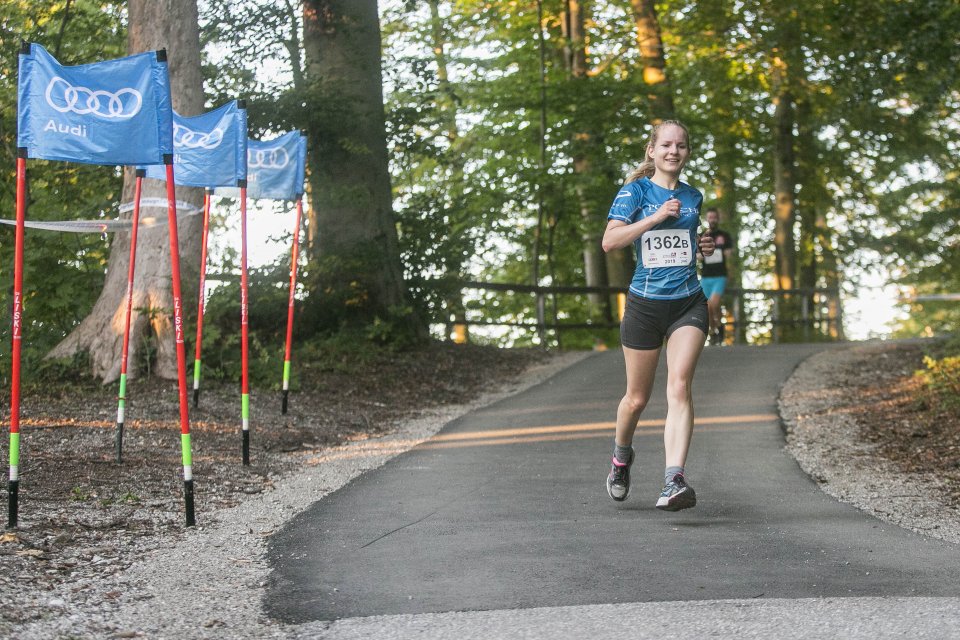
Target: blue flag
column 112, row 112
column 275, row 169
column 301, row 167
column 209, row 150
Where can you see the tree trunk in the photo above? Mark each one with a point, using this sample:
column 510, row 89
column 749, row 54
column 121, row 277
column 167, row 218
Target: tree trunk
column 356, row 238
column 787, row 78
column 446, row 98
column 446, row 101
column 654, row 63
column 818, row 259
column 784, row 183
column 171, row 25
column 575, row 60
column 831, row 277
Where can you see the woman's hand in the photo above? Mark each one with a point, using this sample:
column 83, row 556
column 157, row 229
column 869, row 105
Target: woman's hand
column 707, row 245
column 669, row 209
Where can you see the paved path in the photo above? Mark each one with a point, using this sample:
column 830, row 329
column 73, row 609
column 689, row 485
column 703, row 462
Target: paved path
column 506, row 510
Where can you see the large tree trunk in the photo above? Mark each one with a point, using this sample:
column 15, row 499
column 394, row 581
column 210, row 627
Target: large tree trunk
column 356, row 238
column 786, row 82
column 170, row 25
column 784, row 184
column 654, row 63
column 575, row 60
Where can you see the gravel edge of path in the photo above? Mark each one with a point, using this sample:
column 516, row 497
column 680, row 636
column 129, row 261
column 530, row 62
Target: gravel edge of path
column 826, row 444
column 210, row 583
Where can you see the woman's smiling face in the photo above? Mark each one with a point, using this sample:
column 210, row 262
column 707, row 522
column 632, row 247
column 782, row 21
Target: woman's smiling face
column 670, row 150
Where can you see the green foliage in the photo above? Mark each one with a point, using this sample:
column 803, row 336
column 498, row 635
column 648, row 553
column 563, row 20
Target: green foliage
column 393, row 328
column 267, row 322
column 322, row 335
column 941, row 381
column 347, row 352
column 339, row 298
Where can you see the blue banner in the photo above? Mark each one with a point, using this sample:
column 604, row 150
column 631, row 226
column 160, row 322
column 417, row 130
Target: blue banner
column 300, row 179
column 209, row 150
column 275, row 169
column 112, row 112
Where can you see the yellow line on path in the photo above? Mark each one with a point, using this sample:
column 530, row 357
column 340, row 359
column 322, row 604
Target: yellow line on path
column 593, row 426
column 526, row 435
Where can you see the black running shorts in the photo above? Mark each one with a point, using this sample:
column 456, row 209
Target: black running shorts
column 647, row 322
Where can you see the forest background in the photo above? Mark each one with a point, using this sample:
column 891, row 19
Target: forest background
column 827, row 132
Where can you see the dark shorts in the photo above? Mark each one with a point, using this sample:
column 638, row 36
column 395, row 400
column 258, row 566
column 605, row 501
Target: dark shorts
column 646, row 323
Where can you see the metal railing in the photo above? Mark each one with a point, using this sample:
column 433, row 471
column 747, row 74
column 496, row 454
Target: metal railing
column 802, row 313
column 813, row 312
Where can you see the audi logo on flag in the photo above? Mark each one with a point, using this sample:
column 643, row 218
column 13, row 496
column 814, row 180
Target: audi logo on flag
column 121, row 104
column 190, row 139
column 276, row 158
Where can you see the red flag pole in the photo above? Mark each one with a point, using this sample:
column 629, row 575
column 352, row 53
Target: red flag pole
column 122, row 395
column 13, row 484
column 181, row 349
column 201, row 304
column 244, row 326
column 290, row 301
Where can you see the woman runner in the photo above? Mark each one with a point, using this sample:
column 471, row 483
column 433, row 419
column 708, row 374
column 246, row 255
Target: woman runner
column 659, row 215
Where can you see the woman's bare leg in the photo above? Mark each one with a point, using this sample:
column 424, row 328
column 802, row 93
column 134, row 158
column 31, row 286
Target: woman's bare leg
column 641, row 368
column 683, row 351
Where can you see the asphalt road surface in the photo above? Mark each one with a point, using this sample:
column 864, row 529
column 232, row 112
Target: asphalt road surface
column 504, row 518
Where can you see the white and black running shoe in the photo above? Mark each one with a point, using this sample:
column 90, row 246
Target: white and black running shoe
column 618, row 482
column 677, row 495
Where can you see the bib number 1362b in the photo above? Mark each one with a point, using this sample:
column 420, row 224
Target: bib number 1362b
column 666, row 248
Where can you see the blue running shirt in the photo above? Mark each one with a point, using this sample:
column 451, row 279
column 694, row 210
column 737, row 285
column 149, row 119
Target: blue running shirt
column 641, row 198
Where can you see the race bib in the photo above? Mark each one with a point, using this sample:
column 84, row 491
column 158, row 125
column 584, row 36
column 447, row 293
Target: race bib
column 666, row 248
column 715, row 258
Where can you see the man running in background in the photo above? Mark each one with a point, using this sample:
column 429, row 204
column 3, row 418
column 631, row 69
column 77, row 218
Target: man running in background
column 714, row 272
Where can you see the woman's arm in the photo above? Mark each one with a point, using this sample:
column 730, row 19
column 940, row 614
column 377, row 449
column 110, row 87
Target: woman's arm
column 620, row 234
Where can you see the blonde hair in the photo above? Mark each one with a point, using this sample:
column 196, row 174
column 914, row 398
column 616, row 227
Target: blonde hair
column 647, row 168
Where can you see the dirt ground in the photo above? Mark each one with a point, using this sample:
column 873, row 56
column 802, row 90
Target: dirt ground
column 80, row 511
column 893, row 412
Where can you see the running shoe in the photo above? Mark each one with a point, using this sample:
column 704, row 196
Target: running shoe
column 618, row 482
column 677, row 495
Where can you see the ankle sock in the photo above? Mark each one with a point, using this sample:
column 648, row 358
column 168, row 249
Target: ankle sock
column 623, row 454
column 670, row 472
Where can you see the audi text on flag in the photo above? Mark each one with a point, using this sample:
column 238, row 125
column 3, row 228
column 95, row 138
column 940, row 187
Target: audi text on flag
column 209, row 150
column 112, row 112
column 275, row 168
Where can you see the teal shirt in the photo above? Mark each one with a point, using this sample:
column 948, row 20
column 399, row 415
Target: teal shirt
column 640, row 199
